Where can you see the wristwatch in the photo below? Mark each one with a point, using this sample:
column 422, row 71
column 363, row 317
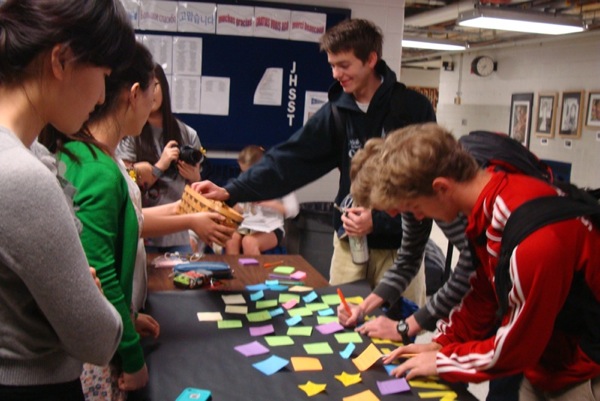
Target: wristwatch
column 402, row 328
column 157, row 172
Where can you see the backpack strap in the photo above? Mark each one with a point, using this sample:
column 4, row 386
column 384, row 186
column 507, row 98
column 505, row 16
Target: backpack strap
column 528, row 218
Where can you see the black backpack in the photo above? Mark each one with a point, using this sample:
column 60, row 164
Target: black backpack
column 581, row 311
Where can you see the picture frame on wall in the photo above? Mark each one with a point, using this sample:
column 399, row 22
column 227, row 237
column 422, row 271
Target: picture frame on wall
column 571, row 114
column 593, row 109
column 520, row 117
column 545, row 115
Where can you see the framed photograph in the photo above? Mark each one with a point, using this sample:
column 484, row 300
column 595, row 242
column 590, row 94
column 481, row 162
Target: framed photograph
column 593, row 110
column 544, row 117
column 571, row 114
column 520, row 117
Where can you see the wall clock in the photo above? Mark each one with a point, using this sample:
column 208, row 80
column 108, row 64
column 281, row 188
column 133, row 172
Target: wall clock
column 483, row 66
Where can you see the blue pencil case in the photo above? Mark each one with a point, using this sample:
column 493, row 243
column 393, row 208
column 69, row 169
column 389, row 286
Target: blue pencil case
column 217, row 269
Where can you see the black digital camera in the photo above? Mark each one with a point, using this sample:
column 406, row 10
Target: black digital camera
column 190, row 155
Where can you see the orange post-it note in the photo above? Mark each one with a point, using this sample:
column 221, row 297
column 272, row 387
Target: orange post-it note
column 301, row 363
column 368, row 357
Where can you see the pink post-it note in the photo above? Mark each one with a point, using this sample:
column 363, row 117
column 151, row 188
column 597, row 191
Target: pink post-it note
column 262, row 330
column 253, row 348
column 393, row 386
column 247, row 261
column 329, row 328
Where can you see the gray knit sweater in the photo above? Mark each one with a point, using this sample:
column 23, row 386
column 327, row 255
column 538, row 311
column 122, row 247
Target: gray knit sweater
column 52, row 316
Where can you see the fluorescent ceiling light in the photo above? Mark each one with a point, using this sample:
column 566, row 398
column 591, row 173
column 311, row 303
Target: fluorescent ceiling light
column 432, row 44
column 519, row 21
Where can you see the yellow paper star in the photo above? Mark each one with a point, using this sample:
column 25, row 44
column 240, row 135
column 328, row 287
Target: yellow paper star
column 348, row 379
column 311, row 388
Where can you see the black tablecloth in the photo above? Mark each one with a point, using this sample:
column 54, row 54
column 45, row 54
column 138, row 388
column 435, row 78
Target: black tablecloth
column 196, row 354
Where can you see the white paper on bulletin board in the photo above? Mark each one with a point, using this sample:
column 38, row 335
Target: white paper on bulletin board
column 185, row 93
column 272, row 23
column 214, row 98
column 197, row 17
column 158, row 15
column 132, row 8
column 270, row 88
column 235, row 20
column 161, row 47
column 307, row 26
column 187, row 55
column 313, row 101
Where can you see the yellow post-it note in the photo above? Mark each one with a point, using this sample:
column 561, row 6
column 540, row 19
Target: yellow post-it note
column 347, row 379
column 258, row 316
column 276, row 341
column 354, row 300
column 350, row 337
column 366, row 395
column 233, row 299
column 317, row 306
column 326, row 319
column 304, row 363
column 311, row 388
column 428, row 384
column 236, row 309
column 229, row 324
column 209, row 316
column 300, row 288
column 367, row 358
column 442, row 395
column 318, row 348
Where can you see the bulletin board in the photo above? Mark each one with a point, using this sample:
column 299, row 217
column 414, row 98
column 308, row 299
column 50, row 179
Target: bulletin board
column 243, row 62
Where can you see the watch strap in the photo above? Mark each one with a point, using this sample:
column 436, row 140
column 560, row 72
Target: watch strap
column 157, row 172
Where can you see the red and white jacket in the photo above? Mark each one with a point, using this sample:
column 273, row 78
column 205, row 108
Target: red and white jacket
column 541, row 268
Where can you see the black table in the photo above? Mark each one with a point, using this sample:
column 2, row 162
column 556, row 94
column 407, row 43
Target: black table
column 190, row 353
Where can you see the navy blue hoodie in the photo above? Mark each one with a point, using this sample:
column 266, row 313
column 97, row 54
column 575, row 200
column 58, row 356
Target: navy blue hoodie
column 314, row 150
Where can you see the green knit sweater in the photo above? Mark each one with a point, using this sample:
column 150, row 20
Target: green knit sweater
column 110, row 235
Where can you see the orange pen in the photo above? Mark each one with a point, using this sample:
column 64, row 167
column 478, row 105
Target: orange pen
column 271, row 264
column 343, row 299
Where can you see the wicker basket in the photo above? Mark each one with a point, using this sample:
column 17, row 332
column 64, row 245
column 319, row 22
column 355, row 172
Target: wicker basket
column 193, row 202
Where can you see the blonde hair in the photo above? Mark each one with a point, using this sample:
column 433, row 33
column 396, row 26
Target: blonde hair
column 404, row 165
column 250, row 155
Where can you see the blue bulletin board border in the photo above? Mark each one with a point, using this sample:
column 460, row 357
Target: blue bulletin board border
column 244, row 60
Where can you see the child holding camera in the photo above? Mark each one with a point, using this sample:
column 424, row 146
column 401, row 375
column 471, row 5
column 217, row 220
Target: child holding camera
column 165, row 157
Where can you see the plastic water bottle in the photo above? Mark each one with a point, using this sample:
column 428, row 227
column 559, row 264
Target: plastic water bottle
column 359, row 249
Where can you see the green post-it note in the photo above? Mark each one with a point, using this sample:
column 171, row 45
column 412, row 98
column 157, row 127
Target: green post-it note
column 258, row 316
column 266, row 303
column 300, row 312
column 318, row 348
column 229, row 324
column 317, row 306
column 300, row 331
column 283, row 298
column 284, row 270
column 326, row 319
column 331, row 299
column 346, row 338
column 275, row 341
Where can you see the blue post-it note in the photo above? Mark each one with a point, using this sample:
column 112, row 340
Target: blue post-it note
column 271, row 365
column 348, row 351
column 255, row 296
column 308, row 298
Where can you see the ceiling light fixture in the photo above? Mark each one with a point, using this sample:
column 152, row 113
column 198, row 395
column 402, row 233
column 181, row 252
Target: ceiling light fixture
column 432, row 44
column 520, row 21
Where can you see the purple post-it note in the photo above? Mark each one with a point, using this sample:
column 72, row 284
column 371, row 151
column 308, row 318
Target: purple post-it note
column 247, row 261
column 393, row 386
column 261, row 330
column 253, row 348
column 271, row 365
column 329, row 328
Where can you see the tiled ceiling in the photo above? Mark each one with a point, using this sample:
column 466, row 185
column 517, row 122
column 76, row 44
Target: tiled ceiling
column 436, row 19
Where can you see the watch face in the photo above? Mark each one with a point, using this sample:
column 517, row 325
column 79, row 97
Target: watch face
column 402, row 327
